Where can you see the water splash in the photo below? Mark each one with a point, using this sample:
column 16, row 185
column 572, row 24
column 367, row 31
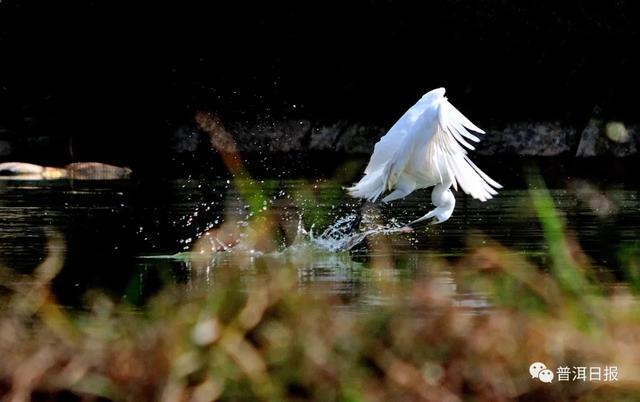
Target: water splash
column 341, row 236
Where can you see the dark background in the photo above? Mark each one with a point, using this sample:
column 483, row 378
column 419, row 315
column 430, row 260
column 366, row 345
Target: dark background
column 121, row 78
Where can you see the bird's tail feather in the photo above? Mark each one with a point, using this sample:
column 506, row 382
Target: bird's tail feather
column 371, row 186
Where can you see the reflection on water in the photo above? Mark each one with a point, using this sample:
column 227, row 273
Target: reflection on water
column 130, row 238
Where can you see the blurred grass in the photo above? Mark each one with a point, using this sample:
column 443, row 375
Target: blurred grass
column 629, row 256
column 569, row 275
column 266, row 339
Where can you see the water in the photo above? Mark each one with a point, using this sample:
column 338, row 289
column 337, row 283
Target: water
column 130, row 238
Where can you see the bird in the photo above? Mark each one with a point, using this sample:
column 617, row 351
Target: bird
column 426, row 147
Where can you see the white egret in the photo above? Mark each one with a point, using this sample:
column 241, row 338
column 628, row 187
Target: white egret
column 426, row 148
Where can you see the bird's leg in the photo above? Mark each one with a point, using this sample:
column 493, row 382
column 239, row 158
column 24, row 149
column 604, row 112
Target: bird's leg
column 444, row 202
column 356, row 222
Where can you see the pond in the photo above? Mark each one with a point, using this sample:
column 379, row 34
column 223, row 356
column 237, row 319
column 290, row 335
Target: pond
column 132, row 237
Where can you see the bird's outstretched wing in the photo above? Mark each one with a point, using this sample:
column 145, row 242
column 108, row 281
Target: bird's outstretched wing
column 446, row 153
column 425, row 147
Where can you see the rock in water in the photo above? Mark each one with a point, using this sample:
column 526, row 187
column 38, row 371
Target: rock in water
column 598, row 139
column 617, row 132
column 52, row 173
column 529, row 139
column 19, row 168
column 30, row 171
column 96, row 171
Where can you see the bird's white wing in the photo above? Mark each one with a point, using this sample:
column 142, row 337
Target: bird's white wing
column 447, row 156
column 387, row 149
column 390, row 156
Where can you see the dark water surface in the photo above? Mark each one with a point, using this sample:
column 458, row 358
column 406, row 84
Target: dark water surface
column 130, row 237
